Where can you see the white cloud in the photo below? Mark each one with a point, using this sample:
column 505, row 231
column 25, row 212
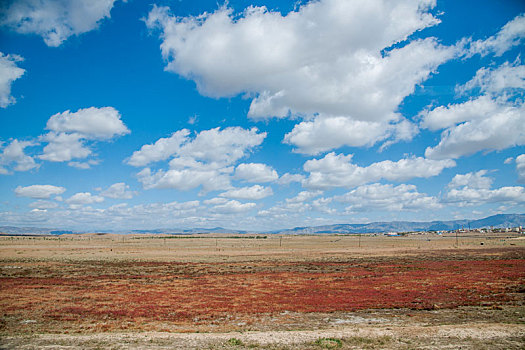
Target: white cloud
column 118, row 190
column 162, row 149
column 297, row 207
column 64, row 147
column 304, row 196
column 185, row 179
column 475, row 180
column 288, row 178
column 84, row 198
column 323, row 205
column 83, row 165
column 501, row 127
column 387, row 197
column 232, row 207
column 13, row 154
column 215, row 201
column 254, row 192
column 92, row 123
column 492, row 121
column 55, row 20
column 214, row 146
column 474, row 189
column 289, row 64
column 355, row 80
column 70, row 132
column 222, row 146
column 443, row 117
column 497, row 80
column 203, row 161
column 39, row 191
column 9, row 72
column 337, row 170
column 326, row 133
column 471, row 196
column 42, row 204
column 510, row 35
column 520, row 167
column 255, row 172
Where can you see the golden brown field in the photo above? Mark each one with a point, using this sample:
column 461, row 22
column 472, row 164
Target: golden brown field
column 254, row 291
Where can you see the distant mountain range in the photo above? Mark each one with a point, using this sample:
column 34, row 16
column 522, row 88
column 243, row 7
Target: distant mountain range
column 497, row 221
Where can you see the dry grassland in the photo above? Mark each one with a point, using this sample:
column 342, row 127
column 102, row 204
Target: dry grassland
column 254, row 291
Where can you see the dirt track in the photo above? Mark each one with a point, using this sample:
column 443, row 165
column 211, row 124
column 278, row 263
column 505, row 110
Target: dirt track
column 466, row 336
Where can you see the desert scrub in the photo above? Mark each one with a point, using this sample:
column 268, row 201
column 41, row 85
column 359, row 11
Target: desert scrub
column 329, row 343
column 235, row 342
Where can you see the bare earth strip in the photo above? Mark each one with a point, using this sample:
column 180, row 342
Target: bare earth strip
column 466, row 336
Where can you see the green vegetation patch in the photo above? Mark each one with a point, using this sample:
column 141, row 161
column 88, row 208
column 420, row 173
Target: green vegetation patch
column 329, row 343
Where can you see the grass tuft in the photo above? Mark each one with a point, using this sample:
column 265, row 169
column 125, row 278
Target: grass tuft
column 329, row 343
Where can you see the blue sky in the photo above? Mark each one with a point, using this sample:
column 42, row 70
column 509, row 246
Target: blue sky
column 259, row 115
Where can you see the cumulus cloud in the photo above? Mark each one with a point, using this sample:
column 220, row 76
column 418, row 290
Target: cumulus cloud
column 118, row 190
column 215, row 201
column 13, row 156
column 443, row 117
column 387, row 197
column 289, row 64
column 9, row 72
column 499, row 126
column 337, row 170
column 510, row 35
column 64, row 147
column 54, row 20
column 232, row 207
column 474, row 189
column 92, row 123
column 39, row 191
column 476, row 180
column 304, row 196
column 214, row 146
column 222, row 146
column 353, row 82
column 43, row 204
column 492, row 121
column 162, row 149
column 205, row 160
column 70, row 132
column 288, row 178
column 83, row 165
column 507, row 78
column 255, row 172
column 254, row 192
column 297, row 206
column 520, row 167
column 326, row 133
column 186, row 179
column 84, row 198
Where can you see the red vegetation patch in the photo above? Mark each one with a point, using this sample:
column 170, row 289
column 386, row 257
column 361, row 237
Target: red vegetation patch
column 181, row 297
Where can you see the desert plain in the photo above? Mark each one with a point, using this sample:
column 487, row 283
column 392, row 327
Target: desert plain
column 222, row 291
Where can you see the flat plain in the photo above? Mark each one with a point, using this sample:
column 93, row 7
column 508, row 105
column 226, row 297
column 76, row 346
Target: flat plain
column 263, row 291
